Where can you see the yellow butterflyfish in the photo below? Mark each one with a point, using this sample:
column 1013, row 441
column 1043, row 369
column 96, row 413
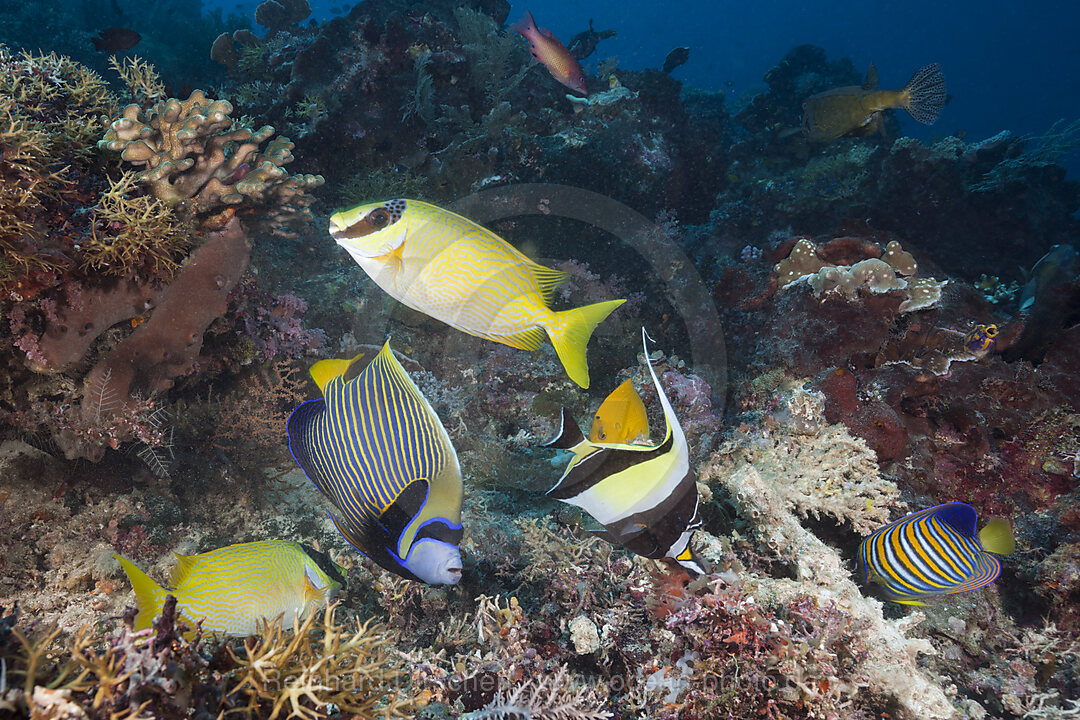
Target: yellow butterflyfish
column 645, row 496
column 621, row 417
column 233, row 589
column 448, row 267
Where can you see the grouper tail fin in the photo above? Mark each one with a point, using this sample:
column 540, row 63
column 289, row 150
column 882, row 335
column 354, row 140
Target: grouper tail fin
column 149, row 596
column 925, row 93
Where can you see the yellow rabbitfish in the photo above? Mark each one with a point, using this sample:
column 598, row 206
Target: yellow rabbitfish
column 448, row 267
column 233, row 589
column 621, row 417
column 855, row 110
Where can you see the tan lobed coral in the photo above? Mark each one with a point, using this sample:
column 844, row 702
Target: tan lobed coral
column 895, row 270
column 196, row 157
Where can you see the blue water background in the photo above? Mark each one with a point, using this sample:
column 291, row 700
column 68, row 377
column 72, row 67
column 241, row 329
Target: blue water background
column 1008, row 65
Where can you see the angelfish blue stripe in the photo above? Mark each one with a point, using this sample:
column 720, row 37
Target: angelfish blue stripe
column 375, row 437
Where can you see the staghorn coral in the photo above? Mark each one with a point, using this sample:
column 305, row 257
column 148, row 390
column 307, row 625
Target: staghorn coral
column 158, row 673
column 194, row 154
column 50, row 111
column 134, row 234
column 545, row 698
column 307, row 675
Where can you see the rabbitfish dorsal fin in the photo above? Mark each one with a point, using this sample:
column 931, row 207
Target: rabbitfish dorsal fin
column 179, row 574
column 871, row 81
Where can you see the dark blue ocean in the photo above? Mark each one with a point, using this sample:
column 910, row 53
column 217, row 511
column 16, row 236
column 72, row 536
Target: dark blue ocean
column 1009, row 65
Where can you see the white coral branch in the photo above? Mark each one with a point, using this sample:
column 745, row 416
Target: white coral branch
column 544, row 698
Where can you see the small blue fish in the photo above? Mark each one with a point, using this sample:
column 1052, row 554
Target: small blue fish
column 934, row 552
column 374, row 446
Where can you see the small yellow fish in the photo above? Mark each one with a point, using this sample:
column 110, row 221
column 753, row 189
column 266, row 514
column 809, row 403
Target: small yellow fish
column 621, row 417
column 233, row 589
column 855, row 110
column 448, row 267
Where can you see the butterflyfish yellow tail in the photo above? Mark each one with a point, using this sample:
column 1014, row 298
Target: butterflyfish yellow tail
column 570, row 331
column 997, row 537
column 149, row 596
column 324, row 371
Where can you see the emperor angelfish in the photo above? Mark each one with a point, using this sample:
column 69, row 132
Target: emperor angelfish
column 376, row 449
column 232, row 590
column 449, row 268
column 934, row 552
column 645, row 496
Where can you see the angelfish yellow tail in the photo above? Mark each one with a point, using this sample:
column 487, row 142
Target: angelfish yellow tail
column 570, row 331
column 149, row 596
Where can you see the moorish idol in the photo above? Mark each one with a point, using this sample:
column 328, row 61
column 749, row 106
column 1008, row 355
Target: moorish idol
column 376, row 449
column 621, row 417
column 645, row 496
column 934, row 552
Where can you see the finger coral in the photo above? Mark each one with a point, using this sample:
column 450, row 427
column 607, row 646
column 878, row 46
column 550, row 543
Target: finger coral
column 193, row 155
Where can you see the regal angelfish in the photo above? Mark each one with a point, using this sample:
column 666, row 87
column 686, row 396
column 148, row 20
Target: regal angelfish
column 645, row 496
column 935, row 551
column 374, row 446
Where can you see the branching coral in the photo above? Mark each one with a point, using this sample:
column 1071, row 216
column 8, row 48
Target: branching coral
column 548, row 697
column 158, row 673
column 304, row 676
column 134, row 234
column 193, row 153
column 50, row 111
column 836, row 478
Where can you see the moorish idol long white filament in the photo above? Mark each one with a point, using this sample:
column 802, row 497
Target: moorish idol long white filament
column 645, row 496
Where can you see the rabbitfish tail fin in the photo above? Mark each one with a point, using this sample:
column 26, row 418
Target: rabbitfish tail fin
column 149, row 596
column 570, row 331
column 926, row 93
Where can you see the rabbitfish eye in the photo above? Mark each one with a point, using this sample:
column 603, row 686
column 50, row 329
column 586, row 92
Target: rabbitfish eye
column 379, row 218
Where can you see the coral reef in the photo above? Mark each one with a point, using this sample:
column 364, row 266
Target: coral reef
column 160, row 283
column 195, row 158
column 112, row 279
column 158, row 673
